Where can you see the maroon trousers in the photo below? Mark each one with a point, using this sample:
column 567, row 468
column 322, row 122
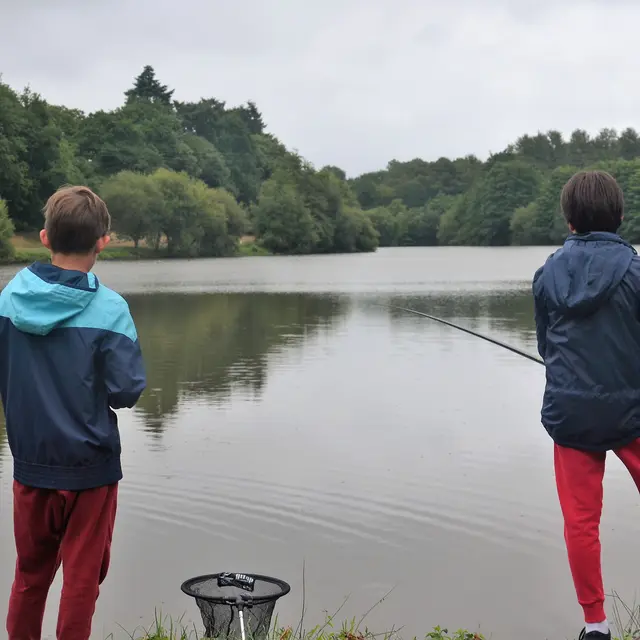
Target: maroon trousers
column 579, row 480
column 53, row 528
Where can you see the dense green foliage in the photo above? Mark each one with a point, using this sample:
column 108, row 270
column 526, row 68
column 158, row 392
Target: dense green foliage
column 512, row 198
column 187, row 178
column 190, row 178
column 6, row 232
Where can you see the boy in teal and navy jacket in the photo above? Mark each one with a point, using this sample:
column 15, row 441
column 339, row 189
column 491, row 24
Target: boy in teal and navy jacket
column 69, row 356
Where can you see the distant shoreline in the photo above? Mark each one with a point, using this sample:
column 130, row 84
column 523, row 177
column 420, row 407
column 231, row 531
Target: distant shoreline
column 28, row 249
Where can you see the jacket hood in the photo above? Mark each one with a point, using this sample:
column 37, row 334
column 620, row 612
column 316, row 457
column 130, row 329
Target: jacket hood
column 42, row 297
column 582, row 275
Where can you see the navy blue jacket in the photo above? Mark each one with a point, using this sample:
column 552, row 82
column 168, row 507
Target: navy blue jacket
column 587, row 310
column 69, row 355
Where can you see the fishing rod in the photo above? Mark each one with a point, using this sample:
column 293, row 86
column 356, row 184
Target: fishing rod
column 509, row 347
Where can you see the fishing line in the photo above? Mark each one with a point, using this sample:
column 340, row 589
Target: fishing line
column 509, row 347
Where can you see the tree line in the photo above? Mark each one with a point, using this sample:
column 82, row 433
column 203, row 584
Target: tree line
column 511, row 198
column 192, row 178
column 184, row 178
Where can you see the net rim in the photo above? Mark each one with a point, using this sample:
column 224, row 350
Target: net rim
column 248, row 598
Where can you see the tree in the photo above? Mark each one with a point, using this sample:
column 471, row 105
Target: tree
column 523, row 225
column 370, row 191
column 389, row 222
column 605, row 144
column 68, row 120
column 211, row 166
column 222, row 239
column 69, row 168
column 629, row 144
column 236, row 143
column 230, row 131
column 451, row 220
column 162, row 130
column 136, row 205
column 182, row 213
column 580, row 149
column 146, row 87
column 114, row 142
column 203, row 118
column 421, row 225
column 16, row 184
column 630, row 228
column 273, row 155
column 213, row 239
column 354, row 231
column 506, row 187
column 42, row 139
column 252, row 118
column 284, row 222
column 337, row 172
column 6, row 232
column 549, row 226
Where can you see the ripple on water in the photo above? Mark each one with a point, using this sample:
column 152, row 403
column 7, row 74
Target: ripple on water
column 391, row 511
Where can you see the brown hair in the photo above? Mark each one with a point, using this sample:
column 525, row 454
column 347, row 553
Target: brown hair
column 593, row 201
column 75, row 219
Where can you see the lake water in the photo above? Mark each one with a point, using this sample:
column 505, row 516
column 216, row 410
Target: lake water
column 293, row 417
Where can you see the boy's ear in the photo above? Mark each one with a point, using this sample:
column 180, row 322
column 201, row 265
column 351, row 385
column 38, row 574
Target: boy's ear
column 44, row 238
column 102, row 243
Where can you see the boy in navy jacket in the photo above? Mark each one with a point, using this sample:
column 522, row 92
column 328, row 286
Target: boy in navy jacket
column 69, row 355
column 587, row 309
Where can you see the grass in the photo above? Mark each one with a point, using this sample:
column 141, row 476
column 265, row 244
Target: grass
column 625, row 621
column 27, row 249
column 167, row 629
column 252, row 249
column 27, row 255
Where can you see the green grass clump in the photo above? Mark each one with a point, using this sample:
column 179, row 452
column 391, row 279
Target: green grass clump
column 168, row 629
column 24, row 253
column 40, row 254
column 129, row 253
column 28, row 255
column 252, row 249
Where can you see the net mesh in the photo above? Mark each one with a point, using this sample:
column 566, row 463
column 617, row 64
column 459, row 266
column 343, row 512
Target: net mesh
column 218, row 603
column 223, row 620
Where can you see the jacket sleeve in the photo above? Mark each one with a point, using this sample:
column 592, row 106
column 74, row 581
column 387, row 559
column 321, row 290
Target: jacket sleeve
column 123, row 368
column 540, row 313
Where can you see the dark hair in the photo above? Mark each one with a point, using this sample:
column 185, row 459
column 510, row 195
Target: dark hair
column 75, row 218
column 593, row 201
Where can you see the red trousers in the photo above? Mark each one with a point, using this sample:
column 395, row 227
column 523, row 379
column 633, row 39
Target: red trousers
column 579, row 480
column 53, row 528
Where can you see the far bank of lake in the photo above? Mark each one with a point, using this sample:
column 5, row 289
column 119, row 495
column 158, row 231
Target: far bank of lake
column 28, row 250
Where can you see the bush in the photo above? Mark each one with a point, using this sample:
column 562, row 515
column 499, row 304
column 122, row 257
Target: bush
column 6, row 233
column 135, row 204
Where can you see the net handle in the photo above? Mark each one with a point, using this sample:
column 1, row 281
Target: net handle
column 241, row 606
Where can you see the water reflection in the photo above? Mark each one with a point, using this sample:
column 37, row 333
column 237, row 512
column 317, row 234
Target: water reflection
column 210, row 346
column 499, row 311
column 507, row 315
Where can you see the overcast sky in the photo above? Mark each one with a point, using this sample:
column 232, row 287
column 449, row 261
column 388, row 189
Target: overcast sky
column 354, row 83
